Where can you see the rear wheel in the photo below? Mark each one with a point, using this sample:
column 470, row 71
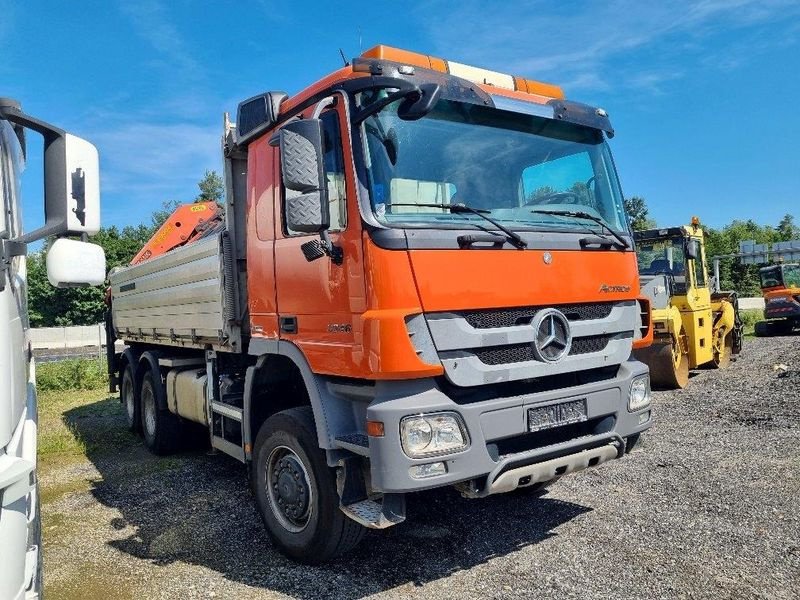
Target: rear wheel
column 669, row 365
column 296, row 490
column 130, row 403
column 160, row 428
column 722, row 357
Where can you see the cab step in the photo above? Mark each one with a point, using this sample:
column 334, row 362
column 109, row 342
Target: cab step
column 391, row 510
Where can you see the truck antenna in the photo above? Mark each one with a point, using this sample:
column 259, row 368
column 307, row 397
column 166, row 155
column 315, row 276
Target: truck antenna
column 346, row 63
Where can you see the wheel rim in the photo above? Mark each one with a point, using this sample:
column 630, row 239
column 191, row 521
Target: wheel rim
column 127, row 395
column 149, row 410
column 289, row 489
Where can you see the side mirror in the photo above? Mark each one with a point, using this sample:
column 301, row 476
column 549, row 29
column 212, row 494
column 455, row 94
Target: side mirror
column 303, row 174
column 418, row 104
column 71, row 263
column 71, row 178
column 692, row 249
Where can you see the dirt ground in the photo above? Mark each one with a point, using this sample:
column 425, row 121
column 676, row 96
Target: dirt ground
column 708, row 508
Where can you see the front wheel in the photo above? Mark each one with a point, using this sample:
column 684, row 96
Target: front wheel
column 296, row 490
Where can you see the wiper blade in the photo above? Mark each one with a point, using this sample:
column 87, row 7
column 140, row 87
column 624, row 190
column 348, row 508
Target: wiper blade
column 579, row 214
column 512, row 236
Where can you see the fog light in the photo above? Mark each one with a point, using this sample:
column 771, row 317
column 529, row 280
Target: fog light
column 644, row 417
column 429, row 470
column 639, row 396
column 432, row 434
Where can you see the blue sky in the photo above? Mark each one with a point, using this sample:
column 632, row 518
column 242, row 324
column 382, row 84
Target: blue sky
column 703, row 94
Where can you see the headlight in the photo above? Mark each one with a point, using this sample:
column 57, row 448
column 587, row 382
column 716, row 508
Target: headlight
column 429, row 435
column 640, row 393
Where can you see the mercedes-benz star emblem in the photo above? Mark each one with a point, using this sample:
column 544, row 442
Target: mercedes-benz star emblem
column 553, row 335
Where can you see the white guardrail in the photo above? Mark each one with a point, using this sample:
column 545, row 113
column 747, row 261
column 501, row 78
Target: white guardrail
column 51, row 338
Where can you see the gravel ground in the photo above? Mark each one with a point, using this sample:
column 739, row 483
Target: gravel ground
column 708, row 508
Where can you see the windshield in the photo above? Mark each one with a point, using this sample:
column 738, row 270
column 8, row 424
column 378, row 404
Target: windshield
column 503, row 162
column 780, row 276
column 662, row 256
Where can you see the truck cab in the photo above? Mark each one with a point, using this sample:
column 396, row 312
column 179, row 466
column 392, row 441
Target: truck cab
column 71, row 184
column 427, row 279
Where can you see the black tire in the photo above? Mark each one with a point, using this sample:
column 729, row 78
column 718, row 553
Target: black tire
column 763, row 329
column 161, row 429
column 129, row 399
column 308, row 525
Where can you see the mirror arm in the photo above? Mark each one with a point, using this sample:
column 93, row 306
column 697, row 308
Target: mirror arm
column 8, row 250
column 334, row 252
column 378, row 106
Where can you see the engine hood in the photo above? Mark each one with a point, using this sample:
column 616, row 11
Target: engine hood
column 451, row 280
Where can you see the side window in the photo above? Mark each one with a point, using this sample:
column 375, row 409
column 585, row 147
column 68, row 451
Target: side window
column 699, row 271
column 334, row 172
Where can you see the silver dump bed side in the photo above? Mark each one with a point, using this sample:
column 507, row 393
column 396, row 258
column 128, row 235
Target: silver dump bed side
column 186, row 297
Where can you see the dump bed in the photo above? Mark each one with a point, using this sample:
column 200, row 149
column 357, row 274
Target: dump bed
column 185, row 297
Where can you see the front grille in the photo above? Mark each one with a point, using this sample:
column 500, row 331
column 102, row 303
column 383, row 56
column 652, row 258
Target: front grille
column 509, row 317
column 514, row 353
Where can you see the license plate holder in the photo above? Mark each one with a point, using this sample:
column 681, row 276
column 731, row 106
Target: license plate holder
column 556, row 415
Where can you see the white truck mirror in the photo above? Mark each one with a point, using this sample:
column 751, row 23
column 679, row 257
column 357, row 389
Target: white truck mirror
column 71, row 178
column 74, row 180
column 71, row 263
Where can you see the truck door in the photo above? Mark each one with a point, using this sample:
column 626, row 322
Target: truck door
column 320, row 302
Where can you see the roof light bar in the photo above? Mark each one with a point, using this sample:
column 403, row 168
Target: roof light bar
column 475, row 74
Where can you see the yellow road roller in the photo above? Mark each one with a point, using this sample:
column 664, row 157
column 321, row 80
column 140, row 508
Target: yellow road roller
column 692, row 325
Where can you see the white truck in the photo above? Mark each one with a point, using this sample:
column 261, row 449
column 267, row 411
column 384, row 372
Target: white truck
column 72, row 208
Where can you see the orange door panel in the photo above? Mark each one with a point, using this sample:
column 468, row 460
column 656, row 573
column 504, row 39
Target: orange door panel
column 325, row 300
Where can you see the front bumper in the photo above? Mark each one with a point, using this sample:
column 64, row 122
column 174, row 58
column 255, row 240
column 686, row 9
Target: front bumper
column 500, row 424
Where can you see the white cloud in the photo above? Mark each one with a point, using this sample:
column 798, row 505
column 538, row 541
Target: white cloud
column 591, row 47
column 143, row 164
column 151, row 22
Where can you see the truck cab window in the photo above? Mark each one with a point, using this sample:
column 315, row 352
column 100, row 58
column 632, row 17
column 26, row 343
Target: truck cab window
column 334, row 172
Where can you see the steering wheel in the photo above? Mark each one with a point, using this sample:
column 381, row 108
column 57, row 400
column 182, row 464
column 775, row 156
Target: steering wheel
column 552, row 198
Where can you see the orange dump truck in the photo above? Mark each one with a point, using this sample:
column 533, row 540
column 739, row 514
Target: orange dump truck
column 425, row 278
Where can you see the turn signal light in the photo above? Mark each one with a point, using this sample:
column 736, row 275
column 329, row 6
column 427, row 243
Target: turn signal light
column 375, row 429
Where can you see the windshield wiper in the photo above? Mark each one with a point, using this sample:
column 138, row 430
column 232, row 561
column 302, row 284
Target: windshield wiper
column 513, row 237
column 579, row 214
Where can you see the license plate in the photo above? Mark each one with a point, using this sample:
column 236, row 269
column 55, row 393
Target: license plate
column 555, row 415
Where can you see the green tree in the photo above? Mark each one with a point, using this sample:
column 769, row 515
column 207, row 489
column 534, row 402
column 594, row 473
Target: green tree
column 733, row 274
column 211, row 188
column 787, row 230
column 636, row 209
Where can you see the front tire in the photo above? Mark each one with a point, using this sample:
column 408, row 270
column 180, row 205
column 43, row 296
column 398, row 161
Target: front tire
column 296, row 493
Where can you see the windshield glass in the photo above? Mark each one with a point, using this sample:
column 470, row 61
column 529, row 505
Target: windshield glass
column 662, row 256
column 503, row 162
column 780, row 276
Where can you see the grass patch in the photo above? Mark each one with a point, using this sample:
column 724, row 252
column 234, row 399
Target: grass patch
column 77, row 424
column 72, row 374
column 750, row 318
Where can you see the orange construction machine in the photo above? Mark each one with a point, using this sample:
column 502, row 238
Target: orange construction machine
column 780, row 285
column 425, row 278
